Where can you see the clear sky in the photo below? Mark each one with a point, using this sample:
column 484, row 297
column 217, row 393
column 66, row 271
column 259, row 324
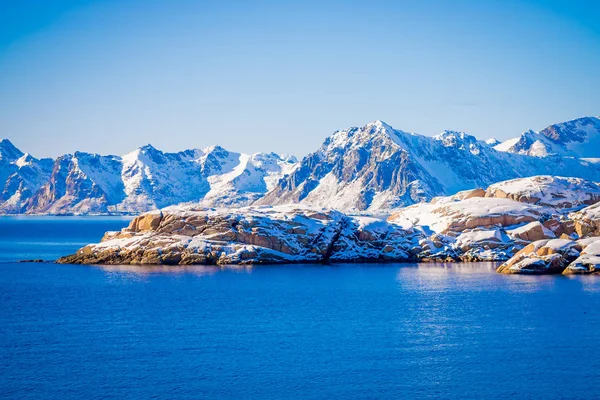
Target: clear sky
column 110, row 76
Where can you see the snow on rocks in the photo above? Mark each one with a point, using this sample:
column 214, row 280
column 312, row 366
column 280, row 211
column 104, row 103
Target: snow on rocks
column 474, row 212
column 587, row 220
column 469, row 226
column 578, row 248
column 531, row 232
column 544, row 190
column 588, row 261
column 569, row 257
column 185, row 235
column 495, row 223
column 547, row 256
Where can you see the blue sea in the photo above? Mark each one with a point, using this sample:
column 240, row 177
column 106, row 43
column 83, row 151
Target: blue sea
column 388, row 331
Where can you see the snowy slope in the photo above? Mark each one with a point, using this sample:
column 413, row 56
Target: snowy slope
column 545, row 190
column 243, row 178
column 357, row 168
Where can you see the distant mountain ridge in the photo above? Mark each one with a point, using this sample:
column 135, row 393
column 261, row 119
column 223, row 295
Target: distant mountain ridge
column 577, row 138
column 372, row 168
column 145, row 179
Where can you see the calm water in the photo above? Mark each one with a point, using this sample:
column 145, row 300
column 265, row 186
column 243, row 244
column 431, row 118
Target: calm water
column 347, row 331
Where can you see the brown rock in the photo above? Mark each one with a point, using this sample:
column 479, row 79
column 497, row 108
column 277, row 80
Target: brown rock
column 530, row 232
column 387, row 249
column 146, row 222
column 583, row 228
column 541, row 257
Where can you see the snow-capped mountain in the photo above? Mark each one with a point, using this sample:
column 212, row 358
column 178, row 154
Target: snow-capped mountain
column 80, row 183
column 577, row 138
column 21, row 175
column 142, row 180
column 374, row 168
column 378, row 168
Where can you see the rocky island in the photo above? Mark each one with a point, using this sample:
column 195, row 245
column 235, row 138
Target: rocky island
column 542, row 224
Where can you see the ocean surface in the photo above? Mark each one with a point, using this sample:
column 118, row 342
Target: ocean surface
column 389, row 331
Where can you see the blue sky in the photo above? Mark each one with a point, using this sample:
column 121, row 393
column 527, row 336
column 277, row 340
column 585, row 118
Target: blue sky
column 109, row 76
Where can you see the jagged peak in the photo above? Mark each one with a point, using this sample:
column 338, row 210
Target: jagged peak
column 140, row 152
column 529, row 132
column 379, row 124
column 148, row 148
column 84, row 155
column 492, row 142
column 575, row 130
column 450, row 138
column 288, row 157
column 271, row 155
column 8, row 151
column 213, row 148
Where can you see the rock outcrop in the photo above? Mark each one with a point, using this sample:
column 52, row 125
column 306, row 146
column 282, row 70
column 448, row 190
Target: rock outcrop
column 556, row 256
column 474, row 212
column 542, row 257
column 184, row 235
column 559, row 256
column 588, row 261
column 586, row 222
column 577, row 251
column 546, row 190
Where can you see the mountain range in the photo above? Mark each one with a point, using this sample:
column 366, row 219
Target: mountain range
column 377, row 167
column 145, row 179
column 374, row 168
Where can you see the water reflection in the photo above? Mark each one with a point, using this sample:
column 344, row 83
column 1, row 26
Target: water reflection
column 460, row 268
column 198, row 270
column 588, row 283
column 422, row 277
column 531, row 283
column 482, row 276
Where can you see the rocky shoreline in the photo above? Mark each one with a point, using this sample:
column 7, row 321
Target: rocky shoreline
column 535, row 225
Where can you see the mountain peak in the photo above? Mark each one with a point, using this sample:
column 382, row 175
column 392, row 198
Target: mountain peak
column 576, row 130
column 456, row 139
column 148, row 147
column 380, row 124
column 213, row 148
column 8, row 151
column 578, row 138
column 492, row 142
